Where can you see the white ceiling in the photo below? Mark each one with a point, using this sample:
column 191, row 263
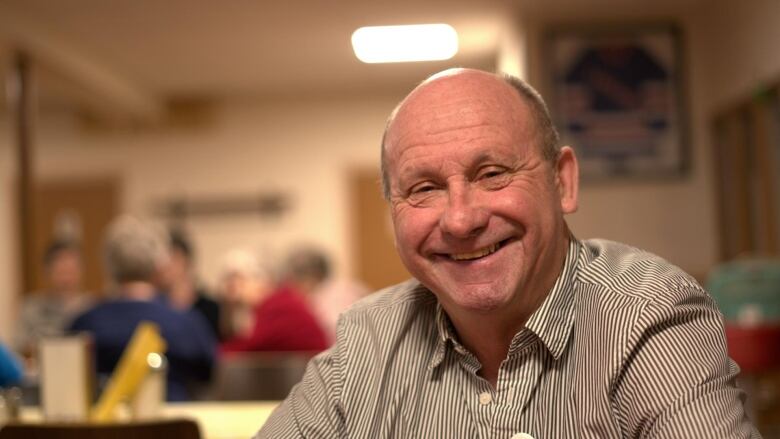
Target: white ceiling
column 256, row 47
column 157, row 49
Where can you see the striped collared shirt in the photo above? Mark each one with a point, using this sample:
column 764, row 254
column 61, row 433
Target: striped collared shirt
column 624, row 345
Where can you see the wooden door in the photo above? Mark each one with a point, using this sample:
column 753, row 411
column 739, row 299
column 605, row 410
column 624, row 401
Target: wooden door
column 376, row 261
column 83, row 207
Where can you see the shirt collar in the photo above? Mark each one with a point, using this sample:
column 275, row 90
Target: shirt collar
column 552, row 322
column 445, row 334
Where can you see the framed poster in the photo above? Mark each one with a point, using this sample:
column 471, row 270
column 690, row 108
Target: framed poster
column 616, row 98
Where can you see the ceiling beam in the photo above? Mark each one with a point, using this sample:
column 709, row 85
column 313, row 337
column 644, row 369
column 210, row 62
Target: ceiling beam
column 119, row 96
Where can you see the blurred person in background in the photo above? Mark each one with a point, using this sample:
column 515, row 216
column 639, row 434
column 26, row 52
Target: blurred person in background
column 243, row 282
column 134, row 252
column 49, row 312
column 283, row 317
column 180, row 284
column 11, row 372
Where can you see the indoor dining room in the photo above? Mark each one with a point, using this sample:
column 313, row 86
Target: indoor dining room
column 192, row 191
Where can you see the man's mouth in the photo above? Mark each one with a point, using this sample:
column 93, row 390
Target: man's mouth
column 481, row 253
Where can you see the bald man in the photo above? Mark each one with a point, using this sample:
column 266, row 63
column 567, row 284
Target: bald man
column 511, row 327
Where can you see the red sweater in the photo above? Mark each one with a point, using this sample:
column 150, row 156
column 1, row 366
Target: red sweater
column 283, row 322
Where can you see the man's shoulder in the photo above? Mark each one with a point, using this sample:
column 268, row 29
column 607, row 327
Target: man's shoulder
column 391, row 308
column 623, row 295
column 396, row 297
column 633, row 274
column 392, row 331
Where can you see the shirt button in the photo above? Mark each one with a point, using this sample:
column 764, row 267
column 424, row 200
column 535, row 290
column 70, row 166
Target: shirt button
column 485, row 398
column 522, row 436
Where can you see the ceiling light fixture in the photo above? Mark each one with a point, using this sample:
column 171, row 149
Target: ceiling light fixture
column 419, row 42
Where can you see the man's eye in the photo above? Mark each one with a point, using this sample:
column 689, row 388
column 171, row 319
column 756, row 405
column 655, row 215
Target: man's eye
column 491, row 172
column 493, row 177
column 422, row 188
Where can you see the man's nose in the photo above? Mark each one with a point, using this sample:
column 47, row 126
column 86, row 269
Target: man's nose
column 463, row 216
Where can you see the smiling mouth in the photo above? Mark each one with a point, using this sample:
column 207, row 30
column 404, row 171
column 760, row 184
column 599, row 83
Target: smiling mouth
column 481, row 253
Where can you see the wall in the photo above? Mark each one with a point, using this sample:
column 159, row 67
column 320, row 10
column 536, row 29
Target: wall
column 739, row 52
column 8, row 243
column 672, row 217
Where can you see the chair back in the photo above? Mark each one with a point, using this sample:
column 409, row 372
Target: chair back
column 258, row 376
column 160, row 429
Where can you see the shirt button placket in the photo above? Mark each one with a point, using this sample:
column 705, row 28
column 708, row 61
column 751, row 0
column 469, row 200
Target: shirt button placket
column 485, row 398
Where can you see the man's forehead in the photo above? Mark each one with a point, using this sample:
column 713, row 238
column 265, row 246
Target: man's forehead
column 460, row 85
column 462, row 100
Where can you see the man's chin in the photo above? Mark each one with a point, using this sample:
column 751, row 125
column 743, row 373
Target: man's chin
column 483, row 299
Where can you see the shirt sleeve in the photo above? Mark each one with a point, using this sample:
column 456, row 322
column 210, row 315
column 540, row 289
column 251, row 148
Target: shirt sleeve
column 11, row 371
column 677, row 380
column 312, row 409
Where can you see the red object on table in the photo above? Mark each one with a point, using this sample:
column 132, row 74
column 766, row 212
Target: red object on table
column 754, row 348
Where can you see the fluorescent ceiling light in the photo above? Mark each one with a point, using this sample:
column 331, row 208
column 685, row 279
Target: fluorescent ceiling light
column 421, row 42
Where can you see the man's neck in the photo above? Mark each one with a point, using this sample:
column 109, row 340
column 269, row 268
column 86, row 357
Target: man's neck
column 489, row 343
column 488, row 338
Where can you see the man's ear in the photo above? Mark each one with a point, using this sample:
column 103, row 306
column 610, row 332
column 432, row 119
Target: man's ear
column 567, row 179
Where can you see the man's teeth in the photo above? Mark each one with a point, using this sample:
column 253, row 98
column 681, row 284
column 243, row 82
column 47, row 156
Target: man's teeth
column 475, row 255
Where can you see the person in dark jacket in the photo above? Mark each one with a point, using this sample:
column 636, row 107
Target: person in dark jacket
column 134, row 253
column 180, row 285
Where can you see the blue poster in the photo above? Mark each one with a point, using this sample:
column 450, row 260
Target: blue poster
column 616, row 101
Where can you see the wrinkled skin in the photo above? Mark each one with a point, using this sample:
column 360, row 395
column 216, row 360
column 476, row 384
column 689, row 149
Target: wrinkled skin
column 477, row 211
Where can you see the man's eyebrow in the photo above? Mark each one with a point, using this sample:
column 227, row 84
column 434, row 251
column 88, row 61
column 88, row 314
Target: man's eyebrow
column 484, row 156
column 421, row 170
column 415, row 174
column 492, row 156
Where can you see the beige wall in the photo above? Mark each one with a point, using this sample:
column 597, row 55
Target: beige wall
column 739, row 53
column 673, row 217
column 8, row 251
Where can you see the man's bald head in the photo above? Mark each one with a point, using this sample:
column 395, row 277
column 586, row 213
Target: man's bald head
column 546, row 135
